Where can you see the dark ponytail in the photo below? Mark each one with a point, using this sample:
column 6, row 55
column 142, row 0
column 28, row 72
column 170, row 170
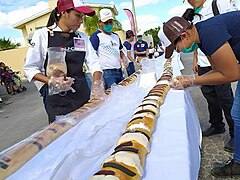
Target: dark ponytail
column 53, row 18
column 189, row 14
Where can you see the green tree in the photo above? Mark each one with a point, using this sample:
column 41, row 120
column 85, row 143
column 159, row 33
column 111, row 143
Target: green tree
column 6, row 44
column 91, row 24
column 154, row 33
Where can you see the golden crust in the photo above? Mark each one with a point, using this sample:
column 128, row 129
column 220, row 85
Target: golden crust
column 149, row 122
column 142, row 151
column 140, row 130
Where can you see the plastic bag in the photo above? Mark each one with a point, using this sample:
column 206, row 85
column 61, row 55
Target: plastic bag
column 148, row 77
column 56, row 66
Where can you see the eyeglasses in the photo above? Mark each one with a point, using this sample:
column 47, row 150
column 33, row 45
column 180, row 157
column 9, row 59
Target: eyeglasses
column 110, row 21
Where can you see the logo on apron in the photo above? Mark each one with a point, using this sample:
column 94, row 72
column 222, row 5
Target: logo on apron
column 79, row 44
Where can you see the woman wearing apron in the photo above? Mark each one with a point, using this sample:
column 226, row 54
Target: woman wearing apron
column 61, row 31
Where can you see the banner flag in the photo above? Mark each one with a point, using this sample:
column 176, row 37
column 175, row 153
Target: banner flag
column 131, row 19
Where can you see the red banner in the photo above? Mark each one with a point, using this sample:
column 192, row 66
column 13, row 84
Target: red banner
column 131, row 19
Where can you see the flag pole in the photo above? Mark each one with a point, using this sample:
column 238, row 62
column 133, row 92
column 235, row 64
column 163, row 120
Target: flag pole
column 134, row 14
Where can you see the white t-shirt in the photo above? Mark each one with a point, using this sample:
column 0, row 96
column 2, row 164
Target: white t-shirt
column 128, row 47
column 107, row 48
column 206, row 12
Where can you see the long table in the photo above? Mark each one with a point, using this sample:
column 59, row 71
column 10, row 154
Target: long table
column 78, row 154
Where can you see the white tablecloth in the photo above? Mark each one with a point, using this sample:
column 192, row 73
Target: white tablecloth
column 78, row 154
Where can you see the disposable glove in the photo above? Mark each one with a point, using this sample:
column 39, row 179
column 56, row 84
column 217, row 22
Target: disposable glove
column 60, row 84
column 182, row 82
column 98, row 90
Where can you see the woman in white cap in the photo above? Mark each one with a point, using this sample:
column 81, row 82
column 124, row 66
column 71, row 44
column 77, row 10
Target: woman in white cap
column 219, row 40
column 61, row 31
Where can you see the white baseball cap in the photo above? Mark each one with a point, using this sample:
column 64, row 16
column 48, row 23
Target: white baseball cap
column 105, row 14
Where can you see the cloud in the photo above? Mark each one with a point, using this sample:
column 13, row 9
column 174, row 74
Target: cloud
column 138, row 3
column 19, row 40
column 4, row 20
column 178, row 10
column 12, row 17
column 12, row 5
column 150, row 21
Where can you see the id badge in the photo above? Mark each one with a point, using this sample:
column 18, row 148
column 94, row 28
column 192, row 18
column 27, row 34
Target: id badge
column 79, row 44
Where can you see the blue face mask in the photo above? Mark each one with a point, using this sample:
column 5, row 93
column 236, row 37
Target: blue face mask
column 192, row 48
column 197, row 10
column 108, row 28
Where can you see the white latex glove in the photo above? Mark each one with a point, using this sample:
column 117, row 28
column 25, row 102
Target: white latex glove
column 182, row 82
column 60, row 84
column 98, row 90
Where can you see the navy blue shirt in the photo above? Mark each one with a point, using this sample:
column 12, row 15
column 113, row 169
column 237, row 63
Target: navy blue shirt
column 127, row 45
column 140, row 47
column 159, row 44
column 216, row 31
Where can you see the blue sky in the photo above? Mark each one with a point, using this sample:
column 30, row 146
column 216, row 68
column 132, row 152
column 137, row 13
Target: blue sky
column 150, row 13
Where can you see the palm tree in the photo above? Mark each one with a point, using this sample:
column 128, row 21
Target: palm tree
column 91, row 24
column 154, row 33
column 6, row 44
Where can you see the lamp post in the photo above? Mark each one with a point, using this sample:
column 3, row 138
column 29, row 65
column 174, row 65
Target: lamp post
column 134, row 14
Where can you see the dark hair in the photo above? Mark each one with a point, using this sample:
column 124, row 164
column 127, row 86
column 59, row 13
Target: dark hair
column 54, row 18
column 5, row 68
column 129, row 33
column 189, row 14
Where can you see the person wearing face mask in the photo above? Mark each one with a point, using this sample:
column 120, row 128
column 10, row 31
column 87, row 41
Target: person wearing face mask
column 140, row 48
column 219, row 97
column 108, row 46
column 130, row 53
column 218, row 38
column 62, row 33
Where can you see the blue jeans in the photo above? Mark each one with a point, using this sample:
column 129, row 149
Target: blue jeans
column 130, row 68
column 236, row 118
column 112, row 76
column 89, row 81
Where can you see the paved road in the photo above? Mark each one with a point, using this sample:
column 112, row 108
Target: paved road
column 21, row 115
column 212, row 147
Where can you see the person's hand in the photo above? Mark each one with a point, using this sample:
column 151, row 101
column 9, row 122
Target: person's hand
column 195, row 67
column 60, row 84
column 124, row 62
column 98, row 90
column 182, row 82
column 144, row 52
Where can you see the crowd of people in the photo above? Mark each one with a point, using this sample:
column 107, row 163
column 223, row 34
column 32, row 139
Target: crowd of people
column 103, row 53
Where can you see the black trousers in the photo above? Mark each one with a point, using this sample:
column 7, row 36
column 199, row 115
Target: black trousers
column 219, row 97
